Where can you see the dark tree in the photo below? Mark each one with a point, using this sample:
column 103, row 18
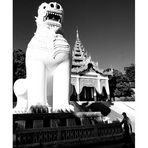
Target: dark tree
column 123, row 89
column 19, row 69
column 119, row 85
column 114, row 79
column 130, row 73
column 104, row 94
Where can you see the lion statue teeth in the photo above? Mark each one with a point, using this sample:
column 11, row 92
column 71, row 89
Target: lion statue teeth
column 48, row 59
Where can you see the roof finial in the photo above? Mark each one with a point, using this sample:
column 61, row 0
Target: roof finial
column 77, row 34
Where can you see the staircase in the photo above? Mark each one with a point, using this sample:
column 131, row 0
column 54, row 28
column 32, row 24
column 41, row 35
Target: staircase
column 119, row 107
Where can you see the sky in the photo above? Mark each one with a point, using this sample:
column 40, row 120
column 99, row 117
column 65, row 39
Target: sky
column 106, row 28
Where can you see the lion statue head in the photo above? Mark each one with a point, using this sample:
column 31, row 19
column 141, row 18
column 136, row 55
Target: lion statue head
column 50, row 15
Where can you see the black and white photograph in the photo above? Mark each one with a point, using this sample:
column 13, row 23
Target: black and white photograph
column 73, row 73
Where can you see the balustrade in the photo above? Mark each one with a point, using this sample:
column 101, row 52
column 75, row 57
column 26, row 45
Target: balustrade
column 58, row 133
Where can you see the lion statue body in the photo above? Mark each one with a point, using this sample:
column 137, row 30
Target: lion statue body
column 48, row 60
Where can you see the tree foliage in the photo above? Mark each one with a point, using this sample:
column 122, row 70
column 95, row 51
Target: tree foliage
column 130, row 73
column 19, row 70
column 119, row 85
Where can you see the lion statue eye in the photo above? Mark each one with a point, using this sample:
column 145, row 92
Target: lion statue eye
column 52, row 5
column 44, row 7
column 58, row 6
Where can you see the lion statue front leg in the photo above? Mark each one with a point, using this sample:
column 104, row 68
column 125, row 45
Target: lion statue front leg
column 61, row 85
column 36, row 77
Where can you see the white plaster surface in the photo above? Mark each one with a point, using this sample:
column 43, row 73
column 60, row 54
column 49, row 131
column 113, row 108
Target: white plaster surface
column 47, row 66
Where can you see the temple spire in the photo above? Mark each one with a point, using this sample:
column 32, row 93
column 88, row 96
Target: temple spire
column 80, row 59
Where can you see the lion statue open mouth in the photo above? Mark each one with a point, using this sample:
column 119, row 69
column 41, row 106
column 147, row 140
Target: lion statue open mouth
column 50, row 14
column 47, row 65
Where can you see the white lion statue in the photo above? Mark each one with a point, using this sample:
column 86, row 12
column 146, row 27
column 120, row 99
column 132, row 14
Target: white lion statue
column 47, row 65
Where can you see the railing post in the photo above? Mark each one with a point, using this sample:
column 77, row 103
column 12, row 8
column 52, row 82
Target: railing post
column 95, row 131
column 59, row 134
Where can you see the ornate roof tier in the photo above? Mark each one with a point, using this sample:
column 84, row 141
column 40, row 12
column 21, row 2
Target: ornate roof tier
column 80, row 59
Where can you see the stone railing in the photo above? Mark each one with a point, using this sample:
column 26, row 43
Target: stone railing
column 69, row 133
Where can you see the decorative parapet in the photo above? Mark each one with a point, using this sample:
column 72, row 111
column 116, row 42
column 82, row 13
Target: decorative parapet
column 69, row 134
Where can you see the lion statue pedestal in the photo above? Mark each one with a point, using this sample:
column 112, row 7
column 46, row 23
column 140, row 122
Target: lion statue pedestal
column 48, row 62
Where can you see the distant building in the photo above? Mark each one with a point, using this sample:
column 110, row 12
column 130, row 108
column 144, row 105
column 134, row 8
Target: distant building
column 88, row 81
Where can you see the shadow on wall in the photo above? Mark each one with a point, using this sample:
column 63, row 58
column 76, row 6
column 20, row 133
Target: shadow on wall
column 104, row 94
column 73, row 97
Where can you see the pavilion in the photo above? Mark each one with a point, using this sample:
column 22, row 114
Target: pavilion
column 89, row 82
